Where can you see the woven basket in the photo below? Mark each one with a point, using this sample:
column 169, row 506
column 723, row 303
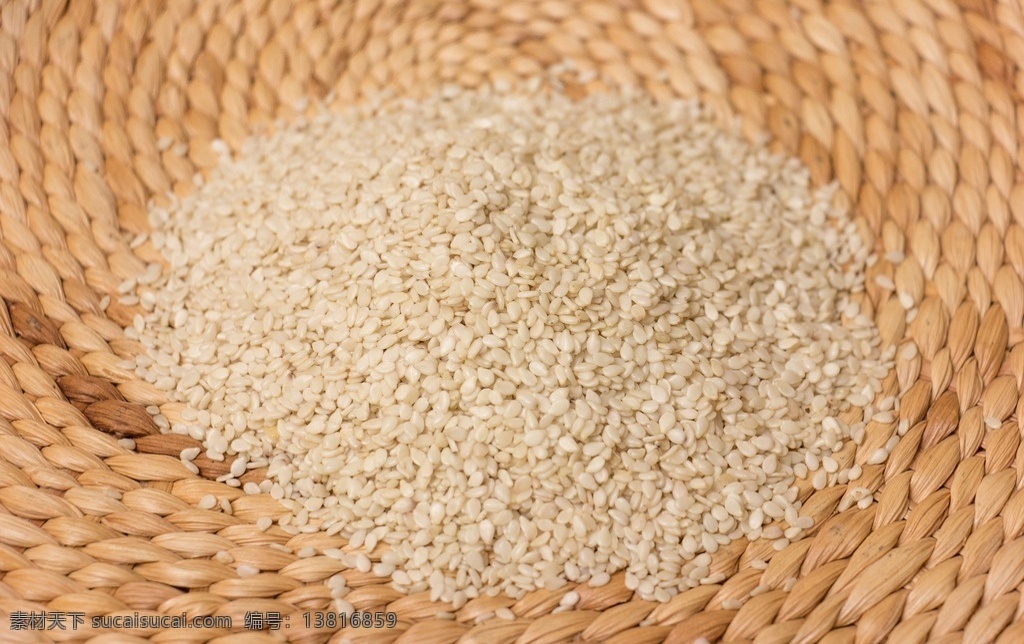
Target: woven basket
column 911, row 105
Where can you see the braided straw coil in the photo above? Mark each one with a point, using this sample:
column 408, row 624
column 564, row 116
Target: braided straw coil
column 911, row 105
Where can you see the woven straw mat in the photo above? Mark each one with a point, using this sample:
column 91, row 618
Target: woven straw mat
column 913, row 106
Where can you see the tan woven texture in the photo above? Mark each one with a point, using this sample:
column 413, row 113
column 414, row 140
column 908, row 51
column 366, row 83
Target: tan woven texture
column 914, row 106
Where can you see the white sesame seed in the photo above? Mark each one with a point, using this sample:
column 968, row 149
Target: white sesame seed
column 598, row 580
column 885, row 282
column 485, row 331
column 878, row 456
column 245, row 570
column 343, row 607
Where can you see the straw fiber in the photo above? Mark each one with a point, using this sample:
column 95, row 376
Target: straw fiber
column 913, row 106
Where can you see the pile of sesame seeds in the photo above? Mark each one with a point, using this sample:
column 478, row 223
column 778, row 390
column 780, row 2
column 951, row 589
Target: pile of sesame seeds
column 516, row 339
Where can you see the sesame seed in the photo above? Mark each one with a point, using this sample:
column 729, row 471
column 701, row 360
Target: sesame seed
column 491, row 337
